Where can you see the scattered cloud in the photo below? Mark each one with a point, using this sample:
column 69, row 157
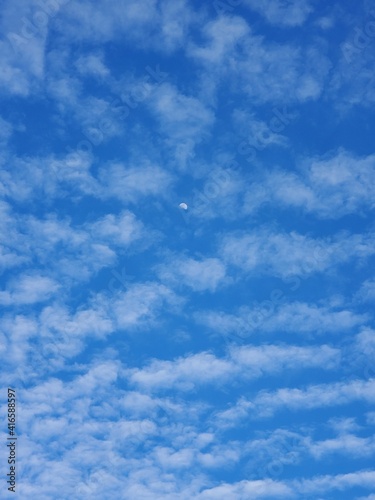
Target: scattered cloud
column 213, row 352
column 248, row 362
column 28, row 289
column 328, row 187
column 291, row 13
column 287, row 254
column 198, row 275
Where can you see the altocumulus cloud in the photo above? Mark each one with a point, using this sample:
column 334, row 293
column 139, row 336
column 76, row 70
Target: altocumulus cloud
column 222, row 351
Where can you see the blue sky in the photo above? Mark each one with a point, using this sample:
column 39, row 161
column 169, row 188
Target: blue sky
column 226, row 351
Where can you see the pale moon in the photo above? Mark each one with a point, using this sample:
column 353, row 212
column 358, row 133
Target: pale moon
column 183, row 206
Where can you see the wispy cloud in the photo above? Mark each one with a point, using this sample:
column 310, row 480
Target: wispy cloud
column 329, row 187
column 200, row 275
column 318, row 396
column 28, row 289
column 249, row 362
column 258, row 489
column 225, row 350
column 294, row 317
column 287, row 254
column 129, row 182
column 287, row 14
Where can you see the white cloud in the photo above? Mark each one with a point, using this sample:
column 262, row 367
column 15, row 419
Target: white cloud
column 352, row 84
column 176, row 18
column 107, row 21
column 218, row 196
column 360, row 353
column 122, row 229
column 92, row 65
column 266, row 403
column 98, row 119
column 367, row 291
column 260, row 71
column 138, row 403
column 314, row 396
column 148, row 23
column 287, row 14
column 73, row 253
column 12, row 240
column 286, row 254
column 346, row 444
column 181, row 115
column 188, row 372
column 258, row 133
column 200, row 275
column 17, row 332
column 288, row 78
column 266, row 488
column 343, row 183
column 222, row 35
column 59, row 334
column 184, row 119
column 341, row 482
column 39, row 344
column 69, row 250
column 53, row 177
column 274, row 316
column 141, row 304
column 300, row 317
column 48, row 177
column 269, row 453
column 132, row 183
column 326, row 22
column 6, row 131
column 28, row 289
column 270, row 359
column 22, row 51
column 344, row 425
column 118, row 112
column 96, row 456
column 185, row 372
column 328, row 187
